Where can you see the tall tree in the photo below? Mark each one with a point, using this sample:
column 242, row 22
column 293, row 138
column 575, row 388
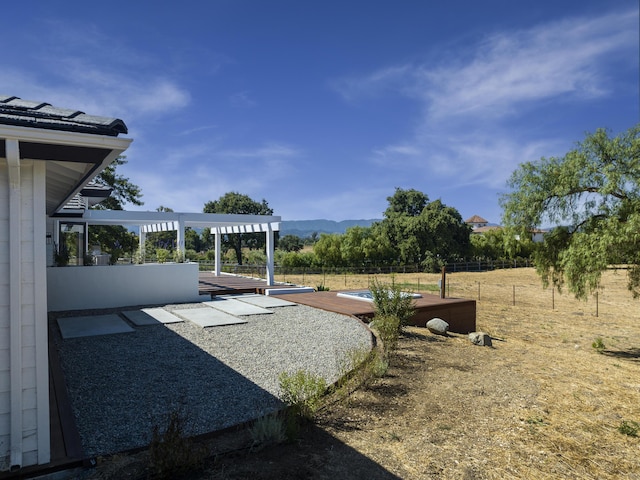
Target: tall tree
column 123, row 190
column 166, row 240
column 328, row 249
column 115, row 239
column 234, row 202
column 290, row 243
column 406, row 202
column 423, row 232
column 592, row 194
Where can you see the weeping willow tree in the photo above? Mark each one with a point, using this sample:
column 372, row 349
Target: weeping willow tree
column 592, row 194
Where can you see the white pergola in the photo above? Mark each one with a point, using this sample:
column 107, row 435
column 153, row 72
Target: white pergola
column 219, row 224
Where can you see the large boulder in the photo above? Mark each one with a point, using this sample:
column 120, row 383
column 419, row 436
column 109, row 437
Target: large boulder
column 480, row 338
column 438, row 326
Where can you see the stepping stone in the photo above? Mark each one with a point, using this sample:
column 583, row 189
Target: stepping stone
column 91, row 325
column 236, row 307
column 208, row 317
column 265, row 301
column 151, row 316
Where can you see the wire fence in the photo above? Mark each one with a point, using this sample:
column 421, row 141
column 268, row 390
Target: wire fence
column 461, row 281
column 533, row 296
column 466, row 266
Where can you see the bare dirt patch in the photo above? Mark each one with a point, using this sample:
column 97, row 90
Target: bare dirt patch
column 541, row 403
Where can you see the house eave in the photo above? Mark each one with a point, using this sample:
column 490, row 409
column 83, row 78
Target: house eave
column 95, row 151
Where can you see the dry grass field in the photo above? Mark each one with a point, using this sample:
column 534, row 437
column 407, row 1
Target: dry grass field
column 542, row 403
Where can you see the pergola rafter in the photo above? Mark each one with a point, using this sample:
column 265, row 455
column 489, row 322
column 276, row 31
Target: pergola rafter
column 219, row 224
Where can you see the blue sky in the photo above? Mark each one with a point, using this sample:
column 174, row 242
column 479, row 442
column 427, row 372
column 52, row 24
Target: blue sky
column 323, row 108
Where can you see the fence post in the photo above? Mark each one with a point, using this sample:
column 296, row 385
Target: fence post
column 514, row 295
column 478, row 291
column 553, row 298
column 597, row 305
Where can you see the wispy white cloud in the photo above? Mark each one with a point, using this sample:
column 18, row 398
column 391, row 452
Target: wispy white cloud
column 242, row 100
column 515, row 68
column 81, row 66
column 394, row 79
column 477, row 106
column 192, row 174
column 198, row 129
column 267, row 151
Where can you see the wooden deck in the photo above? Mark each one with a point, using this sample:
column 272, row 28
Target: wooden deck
column 459, row 313
column 211, row 284
column 66, row 447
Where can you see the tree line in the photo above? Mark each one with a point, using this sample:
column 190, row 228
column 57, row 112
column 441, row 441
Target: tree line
column 590, row 197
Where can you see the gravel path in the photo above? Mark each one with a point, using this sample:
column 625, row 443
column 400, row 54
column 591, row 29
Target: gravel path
column 122, row 385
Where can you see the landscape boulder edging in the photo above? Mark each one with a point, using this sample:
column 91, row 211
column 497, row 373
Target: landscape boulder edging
column 438, row 326
column 480, row 338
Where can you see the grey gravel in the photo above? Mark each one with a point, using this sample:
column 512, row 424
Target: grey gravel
column 122, row 385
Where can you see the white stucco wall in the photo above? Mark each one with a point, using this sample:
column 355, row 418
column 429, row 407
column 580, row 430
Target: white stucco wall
column 94, row 287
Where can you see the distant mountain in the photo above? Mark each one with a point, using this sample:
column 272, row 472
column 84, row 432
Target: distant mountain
column 305, row 228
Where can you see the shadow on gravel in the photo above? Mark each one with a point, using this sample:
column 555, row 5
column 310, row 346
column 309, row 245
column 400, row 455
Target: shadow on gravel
column 122, row 385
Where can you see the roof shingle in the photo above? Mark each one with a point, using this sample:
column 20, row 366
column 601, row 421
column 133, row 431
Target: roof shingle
column 26, row 113
column 476, row 219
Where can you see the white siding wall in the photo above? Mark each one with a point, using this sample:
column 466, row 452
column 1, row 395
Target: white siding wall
column 5, row 378
column 33, row 332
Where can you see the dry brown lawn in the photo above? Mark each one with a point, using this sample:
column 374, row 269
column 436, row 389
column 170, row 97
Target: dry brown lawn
column 541, row 403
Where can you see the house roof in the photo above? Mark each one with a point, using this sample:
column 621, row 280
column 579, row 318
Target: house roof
column 476, row 219
column 26, row 113
column 91, row 194
column 73, row 145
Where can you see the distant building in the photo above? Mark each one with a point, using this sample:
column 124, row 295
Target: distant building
column 476, row 222
column 537, row 235
column 480, row 225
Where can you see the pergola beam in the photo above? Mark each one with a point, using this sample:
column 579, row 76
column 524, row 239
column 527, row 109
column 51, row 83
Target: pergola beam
column 219, row 224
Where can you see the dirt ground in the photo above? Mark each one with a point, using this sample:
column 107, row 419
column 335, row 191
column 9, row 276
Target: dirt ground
column 541, row 403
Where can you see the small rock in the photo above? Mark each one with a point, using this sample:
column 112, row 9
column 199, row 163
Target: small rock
column 480, row 338
column 438, row 326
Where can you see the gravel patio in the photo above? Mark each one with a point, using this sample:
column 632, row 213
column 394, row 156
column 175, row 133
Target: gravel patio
column 122, row 385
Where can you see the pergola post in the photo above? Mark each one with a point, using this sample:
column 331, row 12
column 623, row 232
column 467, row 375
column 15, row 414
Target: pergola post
column 217, row 247
column 142, row 238
column 270, row 250
column 181, row 235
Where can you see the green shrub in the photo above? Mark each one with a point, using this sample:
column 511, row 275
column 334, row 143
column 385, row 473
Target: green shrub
column 388, row 328
column 359, row 368
column 267, row 430
column 178, row 256
column 630, row 428
column 138, row 256
column 322, row 288
column 61, row 255
column 391, row 301
column 162, row 255
column 599, row 345
column 302, row 391
column 171, row 453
